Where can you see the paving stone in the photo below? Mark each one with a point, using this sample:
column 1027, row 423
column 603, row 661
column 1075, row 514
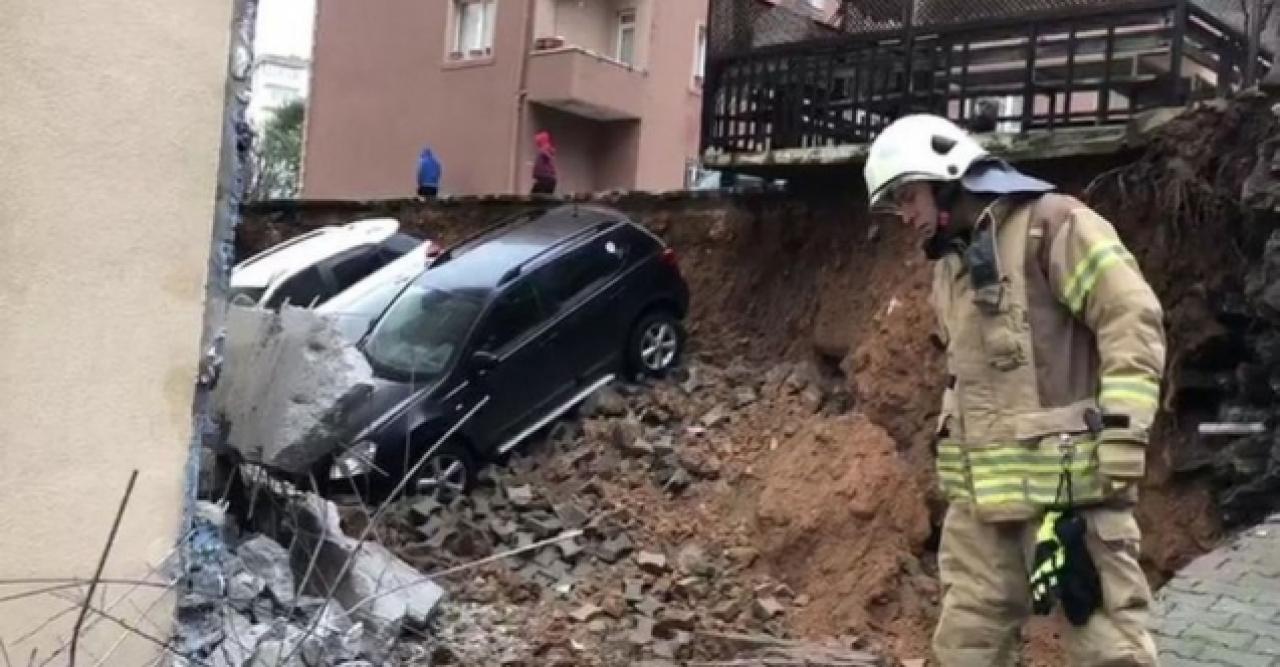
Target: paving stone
column 1247, row 623
column 1171, row 626
column 1182, row 647
column 1194, row 600
column 1228, row 638
column 1238, row 591
column 1235, row 658
column 1212, row 619
column 1178, row 661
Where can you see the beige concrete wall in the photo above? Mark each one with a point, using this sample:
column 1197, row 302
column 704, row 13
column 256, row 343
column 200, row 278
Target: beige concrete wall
column 110, row 128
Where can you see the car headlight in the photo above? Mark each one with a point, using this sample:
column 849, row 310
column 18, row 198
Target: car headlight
column 356, row 461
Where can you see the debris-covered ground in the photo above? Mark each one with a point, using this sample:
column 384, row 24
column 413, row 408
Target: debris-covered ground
column 782, row 485
column 651, row 570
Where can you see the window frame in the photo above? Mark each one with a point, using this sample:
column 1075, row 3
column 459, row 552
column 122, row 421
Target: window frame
column 622, row 27
column 459, row 50
column 699, row 54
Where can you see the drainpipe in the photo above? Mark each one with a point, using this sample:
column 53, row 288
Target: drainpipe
column 517, row 124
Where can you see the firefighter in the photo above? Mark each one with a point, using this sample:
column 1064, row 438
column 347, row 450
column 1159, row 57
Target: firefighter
column 1055, row 348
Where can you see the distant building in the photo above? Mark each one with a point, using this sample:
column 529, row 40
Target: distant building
column 618, row 84
column 277, row 81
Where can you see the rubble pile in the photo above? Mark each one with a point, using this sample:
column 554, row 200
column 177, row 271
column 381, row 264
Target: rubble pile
column 582, row 568
column 252, row 602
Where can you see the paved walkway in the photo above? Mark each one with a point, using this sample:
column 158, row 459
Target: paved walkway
column 1224, row 608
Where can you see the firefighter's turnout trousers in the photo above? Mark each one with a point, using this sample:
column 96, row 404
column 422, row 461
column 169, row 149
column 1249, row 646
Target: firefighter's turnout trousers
column 1055, row 349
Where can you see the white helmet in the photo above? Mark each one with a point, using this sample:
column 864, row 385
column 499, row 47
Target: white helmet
column 920, row 147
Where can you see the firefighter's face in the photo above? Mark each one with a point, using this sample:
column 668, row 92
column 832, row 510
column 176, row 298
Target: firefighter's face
column 917, row 207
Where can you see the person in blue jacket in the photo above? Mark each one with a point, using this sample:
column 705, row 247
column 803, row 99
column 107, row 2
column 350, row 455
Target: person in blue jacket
column 428, row 173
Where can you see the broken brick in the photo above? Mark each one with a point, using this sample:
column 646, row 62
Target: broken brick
column 714, row 417
column 675, row 619
column 569, row 549
column 586, row 612
column 546, row 556
column 502, row 529
column 648, row 606
column 652, row 562
column 612, row 550
column 570, row 515
column 543, row 524
column 767, row 608
column 664, row 649
column 642, row 633
column 614, row 606
column 633, row 590
column 426, row 507
column 727, row 611
column 520, row 496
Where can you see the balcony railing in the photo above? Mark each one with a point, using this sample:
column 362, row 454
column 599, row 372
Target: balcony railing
column 1084, row 66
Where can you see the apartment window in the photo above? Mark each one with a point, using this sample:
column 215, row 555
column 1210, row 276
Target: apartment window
column 473, row 28
column 627, row 36
column 700, row 55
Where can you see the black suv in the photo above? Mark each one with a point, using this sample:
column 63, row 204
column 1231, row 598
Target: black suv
column 503, row 334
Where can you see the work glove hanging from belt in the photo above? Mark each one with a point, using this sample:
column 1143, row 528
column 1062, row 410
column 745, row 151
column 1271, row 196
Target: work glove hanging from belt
column 1062, row 569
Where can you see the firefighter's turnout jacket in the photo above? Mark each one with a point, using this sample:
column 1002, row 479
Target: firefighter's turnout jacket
column 1046, row 319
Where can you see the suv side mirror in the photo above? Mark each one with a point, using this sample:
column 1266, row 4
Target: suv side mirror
column 484, row 360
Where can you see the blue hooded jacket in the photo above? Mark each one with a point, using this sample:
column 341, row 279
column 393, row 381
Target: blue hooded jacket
column 428, row 169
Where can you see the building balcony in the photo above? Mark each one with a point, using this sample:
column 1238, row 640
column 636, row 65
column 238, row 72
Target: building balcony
column 585, row 84
column 1072, row 64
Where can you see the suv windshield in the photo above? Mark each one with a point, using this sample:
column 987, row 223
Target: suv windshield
column 421, row 333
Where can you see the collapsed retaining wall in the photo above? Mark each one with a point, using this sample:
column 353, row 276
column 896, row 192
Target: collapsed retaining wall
column 811, row 276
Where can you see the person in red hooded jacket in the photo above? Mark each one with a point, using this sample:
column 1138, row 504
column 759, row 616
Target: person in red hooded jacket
column 544, row 165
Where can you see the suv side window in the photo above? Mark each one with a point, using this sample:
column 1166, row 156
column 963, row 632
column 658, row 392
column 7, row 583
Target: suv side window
column 303, row 289
column 516, row 313
column 584, row 269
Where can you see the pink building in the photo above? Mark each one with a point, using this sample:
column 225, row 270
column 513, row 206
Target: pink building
column 616, row 82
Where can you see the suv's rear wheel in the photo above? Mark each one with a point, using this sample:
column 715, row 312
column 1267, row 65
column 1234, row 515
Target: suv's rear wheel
column 448, row 474
column 656, row 343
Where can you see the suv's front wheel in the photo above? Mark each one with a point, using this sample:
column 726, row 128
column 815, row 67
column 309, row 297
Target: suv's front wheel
column 656, row 343
column 447, row 474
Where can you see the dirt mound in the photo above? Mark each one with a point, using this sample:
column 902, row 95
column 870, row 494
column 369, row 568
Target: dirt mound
column 839, row 518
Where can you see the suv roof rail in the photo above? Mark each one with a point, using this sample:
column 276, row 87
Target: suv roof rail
column 515, row 271
column 448, row 253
